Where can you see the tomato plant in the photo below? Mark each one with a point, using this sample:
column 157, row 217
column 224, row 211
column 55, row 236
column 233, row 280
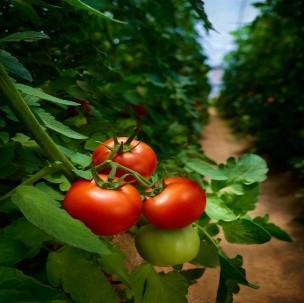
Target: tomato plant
column 105, row 211
column 135, row 155
column 167, row 247
column 47, row 67
column 180, row 203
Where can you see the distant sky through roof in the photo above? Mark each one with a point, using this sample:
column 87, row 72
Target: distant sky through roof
column 226, row 16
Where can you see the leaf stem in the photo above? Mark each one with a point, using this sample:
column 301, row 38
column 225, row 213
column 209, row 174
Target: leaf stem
column 34, row 178
column 14, row 100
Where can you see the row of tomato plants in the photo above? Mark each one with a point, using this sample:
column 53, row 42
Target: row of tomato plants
column 57, row 243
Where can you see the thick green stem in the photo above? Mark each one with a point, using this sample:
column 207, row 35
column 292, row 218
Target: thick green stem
column 15, row 101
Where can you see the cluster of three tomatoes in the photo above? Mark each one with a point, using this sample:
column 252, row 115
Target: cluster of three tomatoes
column 178, row 202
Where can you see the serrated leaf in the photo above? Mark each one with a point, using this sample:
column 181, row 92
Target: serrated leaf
column 27, row 36
column 247, row 169
column 272, row 229
column 50, row 122
column 150, row 287
column 28, row 90
column 205, row 169
column 243, row 231
column 216, row 209
column 241, row 204
column 231, row 275
column 79, row 276
column 192, row 274
column 83, row 6
column 42, row 211
column 17, row 287
column 13, row 66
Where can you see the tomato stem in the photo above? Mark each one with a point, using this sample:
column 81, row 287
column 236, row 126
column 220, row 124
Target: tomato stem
column 109, row 163
column 24, row 114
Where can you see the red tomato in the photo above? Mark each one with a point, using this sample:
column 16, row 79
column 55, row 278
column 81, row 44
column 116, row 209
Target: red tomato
column 105, row 211
column 140, row 158
column 181, row 202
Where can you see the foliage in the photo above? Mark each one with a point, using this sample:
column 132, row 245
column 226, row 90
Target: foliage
column 262, row 91
column 82, row 74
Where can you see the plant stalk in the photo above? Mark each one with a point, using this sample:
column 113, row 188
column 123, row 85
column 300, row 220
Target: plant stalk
column 14, row 100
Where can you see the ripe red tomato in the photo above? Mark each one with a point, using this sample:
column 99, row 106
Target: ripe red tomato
column 181, row 202
column 167, row 247
column 105, row 211
column 140, row 158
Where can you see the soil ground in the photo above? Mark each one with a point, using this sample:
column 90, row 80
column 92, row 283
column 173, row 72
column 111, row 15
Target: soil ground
column 277, row 267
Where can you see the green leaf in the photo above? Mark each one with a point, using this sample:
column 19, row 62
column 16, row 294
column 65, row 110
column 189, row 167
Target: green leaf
column 83, row 6
column 28, row 90
column 150, row 287
column 231, row 275
column 208, row 254
column 50, row 122
column 114, row 263
column 17, row 287
column 27, row 36
column 77, row 157
column 243, row 231
column 205, row 169
column 42, row 211
column 13, row 66
column 247, row 169
column 241, row 204
column 216, row 209
column 192, row 274
column 272, row 229
column 26, row 232
column 12, row 251
column 77, row 273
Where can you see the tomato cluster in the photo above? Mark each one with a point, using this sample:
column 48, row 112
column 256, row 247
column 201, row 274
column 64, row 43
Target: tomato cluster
column 110, row 204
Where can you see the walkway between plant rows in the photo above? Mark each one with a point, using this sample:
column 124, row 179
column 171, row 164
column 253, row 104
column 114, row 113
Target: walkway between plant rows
column 277, row 267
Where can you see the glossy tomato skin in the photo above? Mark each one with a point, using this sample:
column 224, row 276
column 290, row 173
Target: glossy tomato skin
column 167, row 247
column 181, row 202
column 141, row 158
column 105, row 211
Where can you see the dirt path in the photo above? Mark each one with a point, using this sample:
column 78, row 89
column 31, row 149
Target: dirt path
column 277, row 267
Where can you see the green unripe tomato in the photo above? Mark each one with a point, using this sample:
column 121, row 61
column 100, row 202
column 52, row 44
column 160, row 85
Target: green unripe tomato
column 167, row 247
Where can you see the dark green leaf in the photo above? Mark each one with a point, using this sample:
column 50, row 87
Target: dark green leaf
column 241, row 204
column 150, row 287
column 272, row 229
column 17, row 287
column 27, row 233
column 42, row 211
column 50, row 122
column 74, row 271
column 192, row 274
column 208, row 254
column 114, row 263
column 243, row 231
column 28, row 90
column 83, row 6
column 12, row 251
column 28, row 36
column 13, row 66
column 231, row 269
